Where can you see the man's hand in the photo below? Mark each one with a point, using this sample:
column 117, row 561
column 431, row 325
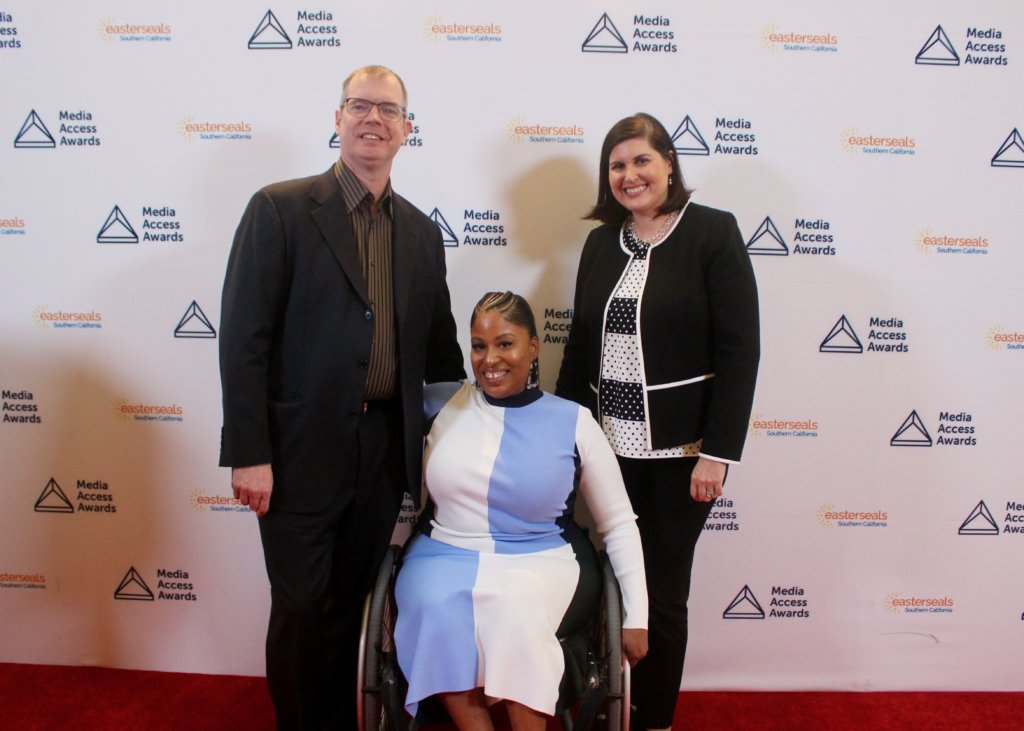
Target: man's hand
column 252, row 487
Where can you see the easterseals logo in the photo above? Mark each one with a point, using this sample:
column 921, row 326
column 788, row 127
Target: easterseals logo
column 437, row 29
column 22, row 580
column 854, row 142
column 44, row 317
column 896, row 603
column 13, row 226
column 112, row 31
column 773, row 39
column 769, row 426
column 190, row 130
column 928, row 241
column 127, row 410
column 999, row 338
column 203, row 503
column 829, row 515
column 1011, row 153
column 519, row 131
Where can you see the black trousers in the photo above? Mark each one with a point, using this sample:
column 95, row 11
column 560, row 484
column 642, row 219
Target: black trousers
column 670, row 523
column 320, row 567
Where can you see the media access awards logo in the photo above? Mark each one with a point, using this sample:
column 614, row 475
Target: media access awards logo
column 437, row 29
column 448, row 236
column 604, row 37
column 112, row 31
column 773, row 39
column 19, row 407
column 8, row 32
column 651, row 34
column 982, row 47
column 853, row 142
column 171, row 585
column 896, row 603
column 93, row 496
column 955, row 429
column 886, row 335
column 519, row 131
column 483, row 227
column 998, row 338
column 1014, row 520
column 938, row 50
column 734, row 136
column 34, row 134
column 314, row 28
column 76, row 130
column 813, row 236
column 787, row 602
column 1011, row 153
column 979, row 522
column 194, row 324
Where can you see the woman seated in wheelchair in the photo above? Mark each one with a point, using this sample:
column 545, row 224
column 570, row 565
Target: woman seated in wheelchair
column 486, row 584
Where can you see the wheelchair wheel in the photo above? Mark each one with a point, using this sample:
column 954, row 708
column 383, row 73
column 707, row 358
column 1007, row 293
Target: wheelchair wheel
column 380, row 689
column 615, row 716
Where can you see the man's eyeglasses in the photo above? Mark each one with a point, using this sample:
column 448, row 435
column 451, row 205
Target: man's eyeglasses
column 389, row 111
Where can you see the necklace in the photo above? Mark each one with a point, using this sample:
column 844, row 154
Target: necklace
column 669, row 220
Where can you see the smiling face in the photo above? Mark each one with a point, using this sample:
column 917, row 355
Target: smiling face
column 501, row 354
column 368, row 145
column 638, row 176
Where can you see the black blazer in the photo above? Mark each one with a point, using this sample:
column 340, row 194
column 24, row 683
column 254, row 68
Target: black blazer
column 698, row 316
column 296, row 331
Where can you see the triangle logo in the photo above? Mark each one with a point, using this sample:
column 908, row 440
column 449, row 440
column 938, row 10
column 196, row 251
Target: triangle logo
column 194, row 324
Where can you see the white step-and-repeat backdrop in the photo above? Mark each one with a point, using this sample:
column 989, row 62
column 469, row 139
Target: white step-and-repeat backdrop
column 872, row 538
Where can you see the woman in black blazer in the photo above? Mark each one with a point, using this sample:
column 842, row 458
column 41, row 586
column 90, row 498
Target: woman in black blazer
column 663, row 348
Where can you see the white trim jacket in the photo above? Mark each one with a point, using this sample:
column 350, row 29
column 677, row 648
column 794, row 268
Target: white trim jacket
column 698, row 333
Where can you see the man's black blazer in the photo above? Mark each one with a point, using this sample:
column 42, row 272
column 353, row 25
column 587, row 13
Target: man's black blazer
column 296, row 331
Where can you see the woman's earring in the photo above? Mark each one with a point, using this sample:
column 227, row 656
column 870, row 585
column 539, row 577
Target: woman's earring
column 669, row 181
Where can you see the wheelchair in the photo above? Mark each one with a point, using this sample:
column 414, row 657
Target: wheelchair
column 594, row 693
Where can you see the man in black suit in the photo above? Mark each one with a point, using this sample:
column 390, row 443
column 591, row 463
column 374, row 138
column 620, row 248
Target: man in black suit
column 335, row 311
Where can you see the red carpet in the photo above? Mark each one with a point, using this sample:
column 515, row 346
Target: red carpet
column 45, row 697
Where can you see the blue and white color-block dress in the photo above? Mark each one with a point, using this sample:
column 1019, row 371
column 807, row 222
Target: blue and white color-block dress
column 483, row 590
